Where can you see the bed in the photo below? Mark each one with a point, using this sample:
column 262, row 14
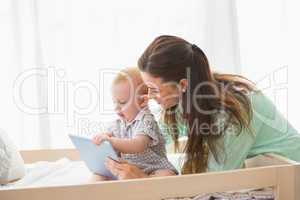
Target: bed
column 270, row 171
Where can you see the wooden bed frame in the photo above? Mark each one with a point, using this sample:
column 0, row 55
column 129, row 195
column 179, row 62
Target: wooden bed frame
column 263, row 171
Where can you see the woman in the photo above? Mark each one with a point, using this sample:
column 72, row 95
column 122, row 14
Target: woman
column 225, row 119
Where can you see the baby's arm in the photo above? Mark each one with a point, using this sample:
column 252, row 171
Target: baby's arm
column 135, row 145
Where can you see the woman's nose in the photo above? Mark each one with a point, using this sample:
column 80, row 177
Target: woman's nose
column 157, row 98
column 150, row 95
column 153, row 95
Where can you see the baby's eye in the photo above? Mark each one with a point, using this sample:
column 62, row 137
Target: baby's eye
column 122, row 102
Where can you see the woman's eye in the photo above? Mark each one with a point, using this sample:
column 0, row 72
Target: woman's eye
column 153, row 91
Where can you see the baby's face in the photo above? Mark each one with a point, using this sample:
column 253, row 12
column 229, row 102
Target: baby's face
column 126, row 102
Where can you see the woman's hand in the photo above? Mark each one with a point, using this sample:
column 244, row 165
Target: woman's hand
column 123, row 170
column 97, row 139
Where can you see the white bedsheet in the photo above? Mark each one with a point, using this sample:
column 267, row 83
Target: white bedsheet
column 62, row 172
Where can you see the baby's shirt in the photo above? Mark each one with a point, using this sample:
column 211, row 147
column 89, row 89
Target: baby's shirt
column 154, row 157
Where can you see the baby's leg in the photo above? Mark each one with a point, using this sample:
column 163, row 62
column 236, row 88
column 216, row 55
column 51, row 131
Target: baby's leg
column 96, row 178
column 163, row 172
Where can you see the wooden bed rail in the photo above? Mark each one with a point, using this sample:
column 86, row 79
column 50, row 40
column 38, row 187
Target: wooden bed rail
column 262, row 171
column 284, row 178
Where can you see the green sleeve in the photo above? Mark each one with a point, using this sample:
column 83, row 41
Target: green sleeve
column 235, row 151
column 236, row 146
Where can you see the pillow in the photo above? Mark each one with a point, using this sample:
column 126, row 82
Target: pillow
column 11, row 163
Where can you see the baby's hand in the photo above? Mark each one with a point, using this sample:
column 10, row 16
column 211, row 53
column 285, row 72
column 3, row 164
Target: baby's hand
column 97, row 139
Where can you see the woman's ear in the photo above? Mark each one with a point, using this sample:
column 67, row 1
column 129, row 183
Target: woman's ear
column 183, row 84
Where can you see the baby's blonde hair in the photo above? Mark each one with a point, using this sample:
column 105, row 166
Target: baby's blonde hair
column 133, row 76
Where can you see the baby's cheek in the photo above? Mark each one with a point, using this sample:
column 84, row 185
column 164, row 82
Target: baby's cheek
column 127, row 110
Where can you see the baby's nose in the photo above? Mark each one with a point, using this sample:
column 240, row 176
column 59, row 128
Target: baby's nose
column 117, row 107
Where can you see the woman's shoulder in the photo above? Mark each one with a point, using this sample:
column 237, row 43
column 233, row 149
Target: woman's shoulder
column 264, row 111
column 260, row 102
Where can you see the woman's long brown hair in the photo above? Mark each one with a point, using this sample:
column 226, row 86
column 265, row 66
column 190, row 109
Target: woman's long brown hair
column 172, row 59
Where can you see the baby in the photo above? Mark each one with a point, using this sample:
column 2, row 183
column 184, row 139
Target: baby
column 135, row 135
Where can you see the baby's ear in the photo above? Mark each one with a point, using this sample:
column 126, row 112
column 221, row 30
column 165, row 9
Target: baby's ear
column 143, row 99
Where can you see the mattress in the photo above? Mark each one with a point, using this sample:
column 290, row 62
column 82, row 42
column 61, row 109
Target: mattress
column 62, row 172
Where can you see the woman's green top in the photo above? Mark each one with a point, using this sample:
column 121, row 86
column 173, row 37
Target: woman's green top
column 270, row 133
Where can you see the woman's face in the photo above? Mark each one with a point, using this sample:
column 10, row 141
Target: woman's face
column 167, row 94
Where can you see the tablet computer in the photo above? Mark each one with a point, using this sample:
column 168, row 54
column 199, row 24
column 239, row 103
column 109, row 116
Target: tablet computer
column 94, row 155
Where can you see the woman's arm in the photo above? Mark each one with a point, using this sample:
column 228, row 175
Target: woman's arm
column 124, row 170
column 236, row 149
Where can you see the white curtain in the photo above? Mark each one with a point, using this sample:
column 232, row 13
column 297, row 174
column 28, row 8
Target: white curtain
column 57, row 56
column 269, row 50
